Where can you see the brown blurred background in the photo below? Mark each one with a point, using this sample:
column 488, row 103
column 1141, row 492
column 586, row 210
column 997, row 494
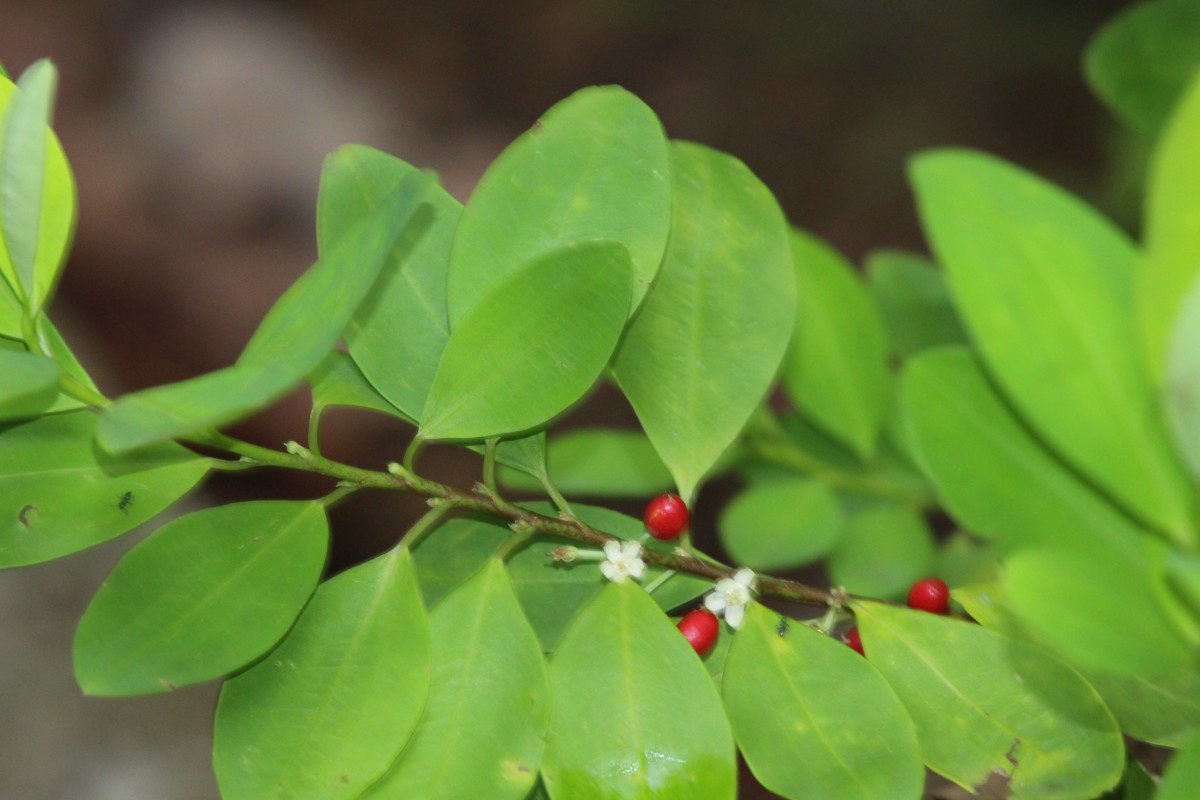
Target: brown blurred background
column 197, row 131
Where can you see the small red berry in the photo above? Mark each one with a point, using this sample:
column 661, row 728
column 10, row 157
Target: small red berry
column 666, row 516
column 930, row 595
column 855, row 641
column 700, row 628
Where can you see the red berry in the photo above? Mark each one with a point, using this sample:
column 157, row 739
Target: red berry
column 855, row 641
column 666, row 516
column 930, row 595
column 700, row 628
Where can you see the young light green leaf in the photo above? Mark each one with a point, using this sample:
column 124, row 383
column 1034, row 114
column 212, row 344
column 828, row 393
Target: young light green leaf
column 1141, row 59
column 1045, row 285
column 59, row 494
column 1172, row 262
column 983, row 703
column 1182, row 394
column 635, row 714
column 325, row 713
column 397, row 335
column 781, row 524
column 488, row 701
column 594, row 167
column 836, row 371
column 997, row 480
column 882, row 551
column 788, row 698
column 705, row 347
column 1181, row 780
column 30, row 384
column 203, row 596
column 914, row 302
column 599, row 462
column 37, row 190
column 532, row 347
column 297, row 334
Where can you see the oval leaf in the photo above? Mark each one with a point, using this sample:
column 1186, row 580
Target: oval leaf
column 883, row 550
column 204, row 595
column 836, row 371
column 593, row 167
column 59, row 494
column 996, row 478
column 616, row 731
column 532, row 347
column 30, row 384
column 780, row 524
column 488, row 701
column 324, row 715
column 1044, row 283
column 705, row 347
column 914, row 302
column 808, row 713
column 599, row 462
column 984, row 703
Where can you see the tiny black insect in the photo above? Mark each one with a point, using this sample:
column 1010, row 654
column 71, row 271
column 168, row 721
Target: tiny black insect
column 126, row 501
column 782, row 628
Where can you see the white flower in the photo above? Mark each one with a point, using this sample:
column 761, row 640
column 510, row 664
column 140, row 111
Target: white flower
column 624, row 560
column 731, row 596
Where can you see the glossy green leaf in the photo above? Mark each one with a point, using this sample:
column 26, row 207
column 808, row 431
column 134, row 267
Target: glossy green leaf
column 550, row 592
column 297, row 334
column 532, row 347
column 30, row 384
column 780, row 524
column 485, row 721
column 983, row 702
column 1140, row 61
column 37, row 190
column 599, row 462
column 1172, row 230
column 836, row 371
column 1182, row 395
column 1045, row 285
column 996, row 479
column 594, row 167
column 635, row 714
column 325, row 713
column 1181, row 780
column 914, row 302
column 204, row 595
column 397, row 335
column 882, row 552
column 708, row 340
column 337, row 381
column 59, row 494
column 813, row 719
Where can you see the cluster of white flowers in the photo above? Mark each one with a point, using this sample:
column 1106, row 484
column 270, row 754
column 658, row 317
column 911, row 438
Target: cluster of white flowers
column 623, row 560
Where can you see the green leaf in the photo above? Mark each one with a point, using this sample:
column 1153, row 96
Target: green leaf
column 30, row 384
column 836, row 371
column 526, row 454
column 705, row 347
column 1045, row 285
column 337, row 381
column 1172, row 225
column 1161, row 709
column 914, row 302
column 397, row 335
column 962, row 559
column 1181, row 779
column 882, row 552
column 813, row 719
column 532, row 347
column 594, row 167
column 1137, row 784
column 297, row 334
column 997, row 480
column 37, row 190
column 983, row 702
column 324, row 714
column 635, row 714
column 204, row 595
column 59, row 494
column 488, row 701
column 599, row 462
column 1182, row 395
column 1141, row 59
column 781, row 524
